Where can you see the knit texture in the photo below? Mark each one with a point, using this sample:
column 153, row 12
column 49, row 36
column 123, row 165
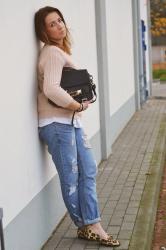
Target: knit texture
column 49, row 70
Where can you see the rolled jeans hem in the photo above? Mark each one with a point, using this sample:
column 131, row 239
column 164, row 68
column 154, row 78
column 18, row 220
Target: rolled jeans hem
column 88, row 222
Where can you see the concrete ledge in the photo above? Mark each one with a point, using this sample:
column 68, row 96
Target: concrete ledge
column 144, row 227
column 32, row 226
column 121, row 117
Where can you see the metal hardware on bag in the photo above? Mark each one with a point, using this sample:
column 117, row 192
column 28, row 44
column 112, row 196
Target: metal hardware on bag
column 84, row 99
column 75, row 93
column 91, row 77
column 73, row 79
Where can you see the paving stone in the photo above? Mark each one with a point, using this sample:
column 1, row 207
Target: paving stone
column 65, row 243
column 136, row 195
column 72, row 226
column 105, row 248
column 48, row 247
column 124, row 245
column 126, row 195
column 113, row 229
column 80, row 242
column 102, row 199
column 92, row 245
column 129, row 184
column 62, row 248
column 104, row 195
column 119, row 187
column 108, row 211
column 139, row 187
column 115, row 221
column 77, row 246
column 63, row 228
column 113, row 198
column 124, row 199
column 119, row 213
column 125, row 234
column 121, row 206
column 131, row 178
column 127, row 226
column 71, row 233
column 53, row 242
column 111, row 204
column 133, row 204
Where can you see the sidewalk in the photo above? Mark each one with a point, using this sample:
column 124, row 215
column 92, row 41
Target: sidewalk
column 128, row 184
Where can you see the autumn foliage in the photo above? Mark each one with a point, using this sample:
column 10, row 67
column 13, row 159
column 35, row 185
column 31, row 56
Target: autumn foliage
column 158, row 18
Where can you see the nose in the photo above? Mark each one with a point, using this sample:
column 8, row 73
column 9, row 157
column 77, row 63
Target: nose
column 59, row 25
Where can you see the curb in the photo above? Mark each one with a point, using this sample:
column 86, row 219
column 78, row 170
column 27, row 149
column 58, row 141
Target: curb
column 144, row 227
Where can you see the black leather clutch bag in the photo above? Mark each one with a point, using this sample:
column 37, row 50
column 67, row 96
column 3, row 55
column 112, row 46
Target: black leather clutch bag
column 79, row 84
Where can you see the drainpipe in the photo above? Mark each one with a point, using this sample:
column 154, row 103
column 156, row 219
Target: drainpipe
column 149, row 48
column 136, row 49
column 102, row 55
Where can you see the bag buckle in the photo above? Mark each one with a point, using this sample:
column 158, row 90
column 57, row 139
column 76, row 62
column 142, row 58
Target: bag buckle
column 75, row 93
column 84, row 99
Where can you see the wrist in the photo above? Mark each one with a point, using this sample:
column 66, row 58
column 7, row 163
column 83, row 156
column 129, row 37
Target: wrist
column 81, row 107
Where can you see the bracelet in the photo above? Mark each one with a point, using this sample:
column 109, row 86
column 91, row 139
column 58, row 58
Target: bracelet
column 80, row 108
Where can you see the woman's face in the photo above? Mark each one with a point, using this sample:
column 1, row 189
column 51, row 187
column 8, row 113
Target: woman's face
column 55, row 27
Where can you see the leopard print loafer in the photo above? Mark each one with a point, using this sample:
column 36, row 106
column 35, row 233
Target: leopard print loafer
column 110, row 242
column 83, row 233
column 87, row 234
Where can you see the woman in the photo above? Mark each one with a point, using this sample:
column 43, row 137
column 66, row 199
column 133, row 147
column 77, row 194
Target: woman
column 67, row 144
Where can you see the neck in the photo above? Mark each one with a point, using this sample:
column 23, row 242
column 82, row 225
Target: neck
column 59, row 42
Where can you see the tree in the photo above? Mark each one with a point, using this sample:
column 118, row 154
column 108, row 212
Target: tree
column 158, row 18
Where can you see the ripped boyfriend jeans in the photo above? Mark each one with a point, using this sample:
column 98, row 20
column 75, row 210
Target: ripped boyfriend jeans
column 76, row 167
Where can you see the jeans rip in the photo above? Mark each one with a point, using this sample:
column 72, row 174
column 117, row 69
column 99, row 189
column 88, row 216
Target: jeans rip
column 86, row 141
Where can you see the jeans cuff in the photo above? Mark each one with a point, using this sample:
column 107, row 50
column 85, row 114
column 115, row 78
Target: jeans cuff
column 88, row 222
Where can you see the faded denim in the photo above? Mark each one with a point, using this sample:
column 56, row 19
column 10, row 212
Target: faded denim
column 75, row 164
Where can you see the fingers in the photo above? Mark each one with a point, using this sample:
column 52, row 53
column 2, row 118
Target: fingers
column 85, row 105
column 88, row 102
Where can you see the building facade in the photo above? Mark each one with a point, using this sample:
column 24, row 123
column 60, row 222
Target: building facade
column 108, row 42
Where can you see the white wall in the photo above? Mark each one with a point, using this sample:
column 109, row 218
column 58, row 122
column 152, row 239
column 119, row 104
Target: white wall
column 120, row 52
column 24, row 164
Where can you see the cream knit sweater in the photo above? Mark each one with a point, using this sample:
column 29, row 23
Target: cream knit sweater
column 50, row 64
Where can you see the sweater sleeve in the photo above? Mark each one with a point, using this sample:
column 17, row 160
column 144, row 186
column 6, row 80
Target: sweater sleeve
column 53, row 66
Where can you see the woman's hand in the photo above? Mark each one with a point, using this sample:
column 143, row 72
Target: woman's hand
column 78, row 107
column 85, row 105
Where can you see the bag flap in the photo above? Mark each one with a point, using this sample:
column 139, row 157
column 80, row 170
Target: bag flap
column 74, row 77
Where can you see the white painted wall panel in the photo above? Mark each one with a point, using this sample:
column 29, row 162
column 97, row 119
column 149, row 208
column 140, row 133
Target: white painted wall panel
column 24, row 164
column 120, row 52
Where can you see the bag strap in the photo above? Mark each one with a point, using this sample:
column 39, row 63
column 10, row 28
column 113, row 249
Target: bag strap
column 94, row 94
column 93, row 88
column 72, row 120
